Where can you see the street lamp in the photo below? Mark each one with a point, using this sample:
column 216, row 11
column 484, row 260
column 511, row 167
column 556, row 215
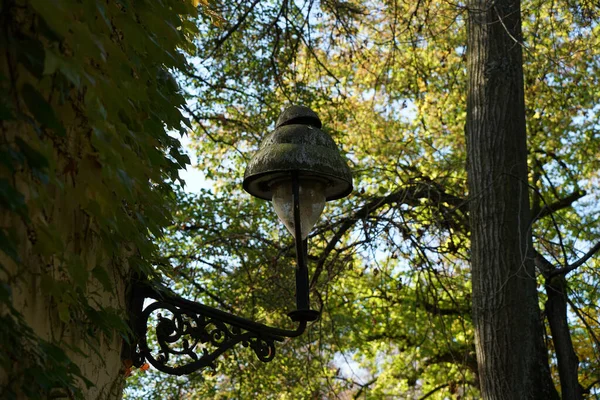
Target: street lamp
column 298, row 167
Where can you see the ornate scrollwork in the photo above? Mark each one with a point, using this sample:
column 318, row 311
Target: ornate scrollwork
column 191, row 336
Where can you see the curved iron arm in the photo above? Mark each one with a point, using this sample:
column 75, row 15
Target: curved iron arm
column 194, row 335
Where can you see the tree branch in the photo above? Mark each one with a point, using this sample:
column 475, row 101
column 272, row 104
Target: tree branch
column 581, row 315
column 578, row 263
column 590, row 386
column 234, row 28
column 463, row 356
column 567, row 360
column 556, row 313
column 543, row 265
column 363, row 387
column 223, row 86
column 431, row 308
column 435, row 310
column 558, row 205
column 410, row 194
column 202, row 289
column 432, row 392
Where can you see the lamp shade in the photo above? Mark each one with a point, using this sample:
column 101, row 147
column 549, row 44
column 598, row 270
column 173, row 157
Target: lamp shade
column 298, row 145
column 312, row 202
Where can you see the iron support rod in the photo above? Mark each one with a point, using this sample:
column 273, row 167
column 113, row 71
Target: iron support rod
column 302, row 292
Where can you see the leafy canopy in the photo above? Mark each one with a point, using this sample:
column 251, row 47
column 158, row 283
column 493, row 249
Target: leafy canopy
column 391, row 262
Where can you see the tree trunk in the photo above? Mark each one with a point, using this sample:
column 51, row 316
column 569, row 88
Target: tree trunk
column 512, row 359
column 556, row 310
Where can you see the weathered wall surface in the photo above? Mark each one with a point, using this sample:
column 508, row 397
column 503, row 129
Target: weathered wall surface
column 41, row 282
column 85, row 160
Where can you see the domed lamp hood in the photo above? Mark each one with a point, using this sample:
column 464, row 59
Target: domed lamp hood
column 298, row 145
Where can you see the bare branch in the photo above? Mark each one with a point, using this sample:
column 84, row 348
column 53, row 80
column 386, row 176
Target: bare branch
column 198, row 287
column 202, row 289
column 461, row 355
column 578, row 263
column 223, row 86
column 558, row 205
column 436, row 310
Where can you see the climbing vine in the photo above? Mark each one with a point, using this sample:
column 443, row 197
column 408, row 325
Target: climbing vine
column 87, row 102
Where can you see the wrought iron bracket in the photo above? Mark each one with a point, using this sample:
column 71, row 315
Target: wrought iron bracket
column 193, row 335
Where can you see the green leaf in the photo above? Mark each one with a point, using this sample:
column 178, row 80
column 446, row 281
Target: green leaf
column 31, row 55
column 11, row 159
column 63, row 312
column 5, row 293
column 11, row 199
column 53, row 13
column 8, row 246
column 5, row 112
column 51, row 62
column 48, row 242
column 102, row 276
column 78, row 271
column 114, row 320
column 102, row 12
column 54, row 352
column 41, row 109
column 34, row 158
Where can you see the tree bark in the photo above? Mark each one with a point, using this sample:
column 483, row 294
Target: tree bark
column 512, row 359
column 556, row 310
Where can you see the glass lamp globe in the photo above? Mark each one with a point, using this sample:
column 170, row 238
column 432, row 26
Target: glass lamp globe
column 312, row 201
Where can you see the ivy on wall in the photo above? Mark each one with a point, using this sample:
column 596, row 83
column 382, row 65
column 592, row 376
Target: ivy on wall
column 86, row 101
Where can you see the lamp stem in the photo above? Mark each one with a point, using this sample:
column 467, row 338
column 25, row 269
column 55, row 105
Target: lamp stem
column 303, row 311
column 302, row 293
